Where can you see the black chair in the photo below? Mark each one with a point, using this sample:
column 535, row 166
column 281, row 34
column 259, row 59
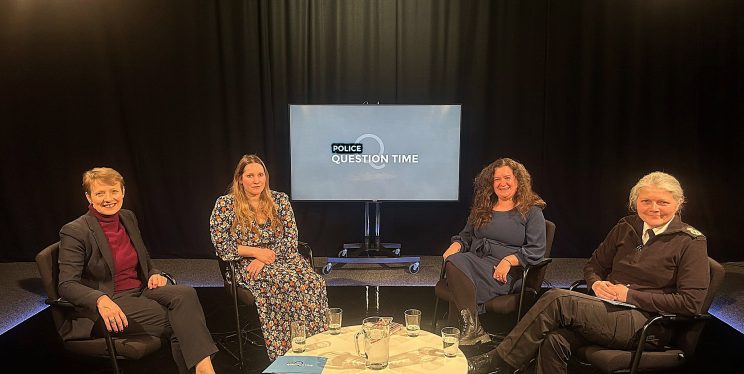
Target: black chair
column 114, row 348
column 533, row 276
column 686, row 332
column 242, row 296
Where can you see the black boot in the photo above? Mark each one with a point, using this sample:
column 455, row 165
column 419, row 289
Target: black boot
column 471, row 332
column 488, row 363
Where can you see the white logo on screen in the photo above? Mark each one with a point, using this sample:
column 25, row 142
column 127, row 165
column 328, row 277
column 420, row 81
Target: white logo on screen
column 382, row 148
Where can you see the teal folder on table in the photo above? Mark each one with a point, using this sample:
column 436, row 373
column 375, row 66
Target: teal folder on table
column 297, row 365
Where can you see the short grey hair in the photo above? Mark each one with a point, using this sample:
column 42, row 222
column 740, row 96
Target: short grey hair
column 660, row 180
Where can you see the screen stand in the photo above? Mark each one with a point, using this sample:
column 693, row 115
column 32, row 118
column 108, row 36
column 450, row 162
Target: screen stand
column 371, row 246
column 372, row 250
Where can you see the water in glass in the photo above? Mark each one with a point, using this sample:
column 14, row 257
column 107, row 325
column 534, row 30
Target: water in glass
column 335, row 316
column 413, row 322
column 298, row 344
column 450, row 346
column 413, row 330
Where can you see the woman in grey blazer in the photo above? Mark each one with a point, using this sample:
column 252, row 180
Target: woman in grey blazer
column 104, row 269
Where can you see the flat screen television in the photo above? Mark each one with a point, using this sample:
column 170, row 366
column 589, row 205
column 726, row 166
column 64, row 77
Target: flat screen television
column 375, row 152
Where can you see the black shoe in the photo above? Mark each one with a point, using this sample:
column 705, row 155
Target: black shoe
column 496, row 339
column 488, row 363
column 471, row 332
column 474, row 350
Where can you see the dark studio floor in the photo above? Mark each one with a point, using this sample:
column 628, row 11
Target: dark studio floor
column 33, row 346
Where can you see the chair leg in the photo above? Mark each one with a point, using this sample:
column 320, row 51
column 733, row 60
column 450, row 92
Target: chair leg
column 112, row 352
column 256, row 340
column 525, row 272
column 243, row 334
column 639, row 350
column 224, row 348
column 436, row 308
column 238, row 329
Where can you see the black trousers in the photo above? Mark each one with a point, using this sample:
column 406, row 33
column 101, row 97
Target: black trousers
column 172, row 312
column 560, row 322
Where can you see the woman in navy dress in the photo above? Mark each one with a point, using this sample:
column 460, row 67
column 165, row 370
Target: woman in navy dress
column 505, row 229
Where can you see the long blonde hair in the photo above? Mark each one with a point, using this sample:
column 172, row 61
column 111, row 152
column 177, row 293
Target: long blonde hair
column 245, row 214
column 481, row 212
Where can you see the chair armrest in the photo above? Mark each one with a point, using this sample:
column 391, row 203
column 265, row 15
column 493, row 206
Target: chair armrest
column 305, row 251
column 580, row 282
column 642, row 341
column 659, row 318
column 675, row 318
column 540, row 264
column 169, row 277
column 528, row 267
column 232, row 268
column 73, row 311
column 59, row 302
column 230, row 283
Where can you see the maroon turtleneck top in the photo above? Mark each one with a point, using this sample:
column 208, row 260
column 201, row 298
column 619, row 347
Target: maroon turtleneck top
column 122, row 250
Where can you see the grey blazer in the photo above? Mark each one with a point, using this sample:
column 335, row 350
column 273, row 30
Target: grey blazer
column 86, row 268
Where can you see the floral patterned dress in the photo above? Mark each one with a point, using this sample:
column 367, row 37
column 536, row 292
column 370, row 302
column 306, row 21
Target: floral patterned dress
column 286, row 290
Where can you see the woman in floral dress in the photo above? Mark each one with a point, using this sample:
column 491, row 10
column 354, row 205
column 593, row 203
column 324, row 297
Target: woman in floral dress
column 256, row 225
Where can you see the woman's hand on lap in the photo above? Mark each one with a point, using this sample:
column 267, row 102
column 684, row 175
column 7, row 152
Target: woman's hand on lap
column 501, row 271
column 266, row 256
column 605, row 290
column 156, row 280
column 112, row 316
column 254, row 268
column 454, row 248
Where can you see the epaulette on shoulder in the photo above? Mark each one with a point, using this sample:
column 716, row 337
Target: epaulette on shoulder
column 695, row 233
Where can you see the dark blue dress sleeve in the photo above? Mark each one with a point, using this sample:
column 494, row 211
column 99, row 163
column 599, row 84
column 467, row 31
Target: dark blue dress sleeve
column 465, row 238
column 533, row 249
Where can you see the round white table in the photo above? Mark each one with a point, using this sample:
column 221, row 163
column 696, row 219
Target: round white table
column 421, row 354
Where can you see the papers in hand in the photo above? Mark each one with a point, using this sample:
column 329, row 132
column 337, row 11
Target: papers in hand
column 615, row 302
column 297, row 364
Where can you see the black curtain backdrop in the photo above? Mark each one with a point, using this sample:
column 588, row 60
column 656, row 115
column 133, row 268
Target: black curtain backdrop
column 589, row 95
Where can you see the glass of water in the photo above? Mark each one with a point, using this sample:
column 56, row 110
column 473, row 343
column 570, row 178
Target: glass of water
column 413, row 322
column 334, row 320
column 450, row 341
column 298, row 334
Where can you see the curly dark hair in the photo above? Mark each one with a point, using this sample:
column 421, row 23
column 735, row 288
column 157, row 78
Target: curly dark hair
column 481, row 212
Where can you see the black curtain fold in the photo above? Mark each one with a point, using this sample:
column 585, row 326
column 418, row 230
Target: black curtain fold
column 590, row 95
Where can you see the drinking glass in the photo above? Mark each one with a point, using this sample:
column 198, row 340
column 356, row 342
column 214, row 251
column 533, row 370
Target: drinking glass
column 413, row 322
column 450, row 341
column 298, row 334
column 334, row 320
